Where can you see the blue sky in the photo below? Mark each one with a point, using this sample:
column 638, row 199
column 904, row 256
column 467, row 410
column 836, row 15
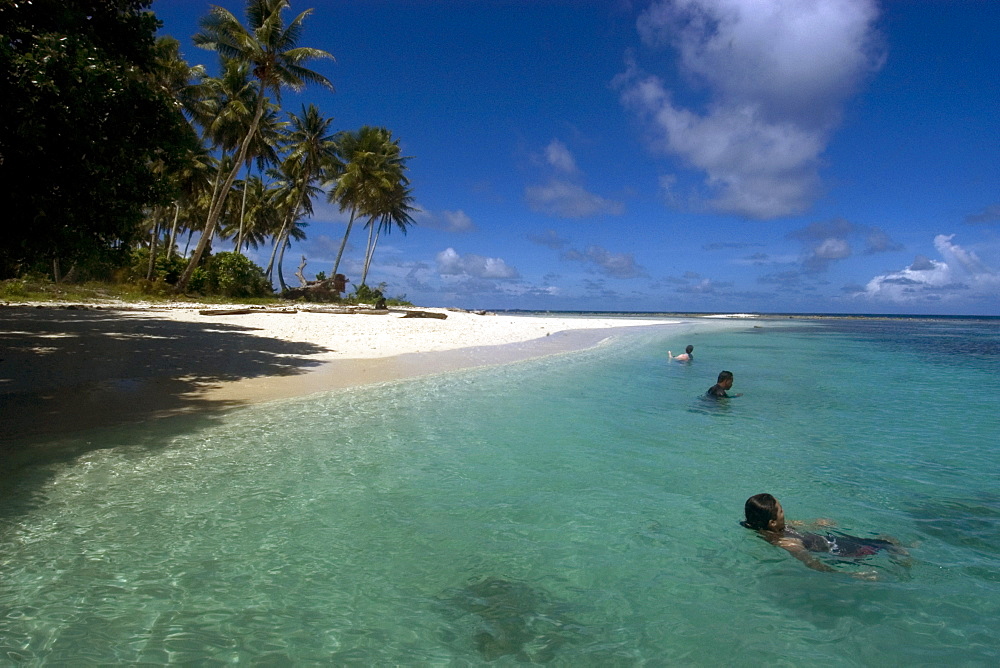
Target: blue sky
column 823, row 156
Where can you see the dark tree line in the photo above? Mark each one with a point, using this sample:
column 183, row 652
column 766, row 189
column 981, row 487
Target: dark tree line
column 112, row 145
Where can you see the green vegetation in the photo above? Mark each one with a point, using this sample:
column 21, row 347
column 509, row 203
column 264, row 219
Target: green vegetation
column 116, row 155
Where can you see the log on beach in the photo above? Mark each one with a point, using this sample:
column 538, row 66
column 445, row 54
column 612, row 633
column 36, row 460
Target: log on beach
column 244, row 311
column 421, row 314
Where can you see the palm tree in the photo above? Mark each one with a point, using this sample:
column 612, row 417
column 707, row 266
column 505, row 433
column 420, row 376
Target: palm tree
column 312, row 155
column 296, row 232
column 182, row 84
column 269, row 48
column 194, row 178
column 258, row 217
column 263, row 151
column 372, row 168
column 394, row 211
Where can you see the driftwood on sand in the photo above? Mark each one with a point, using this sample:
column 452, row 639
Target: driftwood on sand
column 243, row 311
column 420, row 314
column 336, row 310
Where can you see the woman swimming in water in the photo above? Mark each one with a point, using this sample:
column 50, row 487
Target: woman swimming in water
column 766, row 516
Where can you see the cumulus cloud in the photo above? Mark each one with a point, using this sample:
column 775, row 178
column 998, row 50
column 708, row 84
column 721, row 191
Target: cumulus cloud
column 557, row 155
column 450, row 263
column 446, row 221
column 777, row 73
column 565, row 199
column 562, row 195
column 616, row 265
column 828, row 241
column 960, row 271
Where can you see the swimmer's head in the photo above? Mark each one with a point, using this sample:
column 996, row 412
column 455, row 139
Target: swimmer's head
column 764, row 513
column 689, row 350
column 726, row 379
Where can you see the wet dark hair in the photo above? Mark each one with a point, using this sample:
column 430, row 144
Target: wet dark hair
column 759, row 510
column 725, row 375
column 689, row 349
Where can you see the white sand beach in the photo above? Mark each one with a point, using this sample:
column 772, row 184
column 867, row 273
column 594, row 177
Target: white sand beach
column 70, row 367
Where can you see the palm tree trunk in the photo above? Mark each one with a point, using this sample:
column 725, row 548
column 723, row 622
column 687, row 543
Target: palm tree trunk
column 173, row 229
column 152, row 244
column 371, row 254
column 215, row 211
column 281, row 258
column 274, row 250
column 243, row 214
column 368, row 248
column 343, row 244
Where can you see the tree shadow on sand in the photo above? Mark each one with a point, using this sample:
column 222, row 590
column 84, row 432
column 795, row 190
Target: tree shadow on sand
column 64, row 371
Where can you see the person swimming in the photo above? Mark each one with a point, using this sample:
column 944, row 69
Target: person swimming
column 765, row 515
column 685, row 356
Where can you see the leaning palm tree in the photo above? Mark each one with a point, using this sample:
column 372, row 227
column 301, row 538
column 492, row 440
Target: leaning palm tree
column 394, row 211
column 268, row 46
column 372, row 168
column 194, row 176
column 312, row 155
column 263, row 151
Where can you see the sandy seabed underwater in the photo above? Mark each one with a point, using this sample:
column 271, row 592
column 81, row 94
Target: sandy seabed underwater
column 580, row 509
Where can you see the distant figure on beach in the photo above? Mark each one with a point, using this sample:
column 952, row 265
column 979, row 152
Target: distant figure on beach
column 766, row 516
column 724, row 383
column 685, row 356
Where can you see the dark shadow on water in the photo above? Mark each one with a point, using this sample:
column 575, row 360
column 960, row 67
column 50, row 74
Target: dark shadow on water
column 511, row 619
column 66, row 372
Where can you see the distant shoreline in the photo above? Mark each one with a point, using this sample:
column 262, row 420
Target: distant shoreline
column 761, row 316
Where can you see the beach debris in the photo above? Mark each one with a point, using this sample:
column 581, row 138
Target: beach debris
column 455, row 309
column 244, row 311
column 512, row 619
column 344, row 310
column 420, row 314
column 327, row 290
column 298, row 273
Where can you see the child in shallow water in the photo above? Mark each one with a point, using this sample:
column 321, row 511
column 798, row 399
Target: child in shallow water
column 766, row 516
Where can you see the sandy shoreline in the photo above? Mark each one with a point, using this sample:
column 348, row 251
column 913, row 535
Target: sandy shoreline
column 64, row 369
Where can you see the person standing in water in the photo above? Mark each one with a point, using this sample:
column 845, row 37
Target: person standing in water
column 721, row 387
column 685, row 356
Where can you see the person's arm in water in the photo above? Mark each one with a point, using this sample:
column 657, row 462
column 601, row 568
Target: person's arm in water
column 799, row 551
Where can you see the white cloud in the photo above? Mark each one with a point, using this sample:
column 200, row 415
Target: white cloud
column 457, row 221
column 447, row 221
column 563, row 196
column 557, row 155
column 450, row 263
column 569, row 200
column 960, row 273
column 777, row 72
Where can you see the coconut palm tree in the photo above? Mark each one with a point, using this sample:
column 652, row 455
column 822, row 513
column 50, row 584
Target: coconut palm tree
column 194, row 178
column 225, row 116
column 394, row 211
column 258, row 217
column 372, row 168
column 268, row 46
column 312, row 156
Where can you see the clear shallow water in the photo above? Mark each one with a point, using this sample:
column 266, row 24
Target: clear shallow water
column 578, row 510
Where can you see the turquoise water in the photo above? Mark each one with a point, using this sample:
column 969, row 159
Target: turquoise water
column 578, row 510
